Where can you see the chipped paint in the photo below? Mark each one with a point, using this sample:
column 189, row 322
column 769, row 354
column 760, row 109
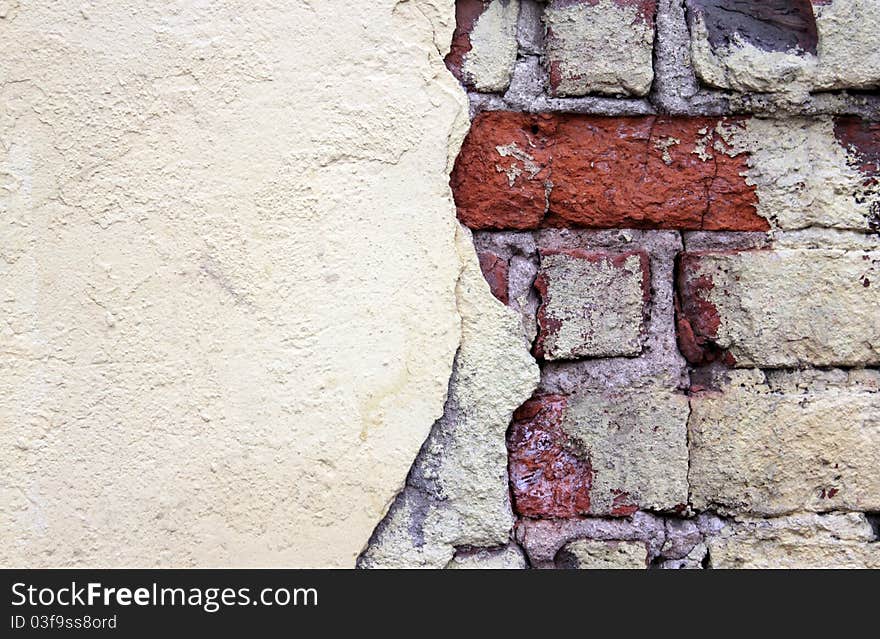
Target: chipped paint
column 489, row 63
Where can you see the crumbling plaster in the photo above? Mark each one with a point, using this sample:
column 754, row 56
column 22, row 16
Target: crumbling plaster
column 228, row 268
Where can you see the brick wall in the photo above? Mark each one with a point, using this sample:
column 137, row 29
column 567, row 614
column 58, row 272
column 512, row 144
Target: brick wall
column 682, row 203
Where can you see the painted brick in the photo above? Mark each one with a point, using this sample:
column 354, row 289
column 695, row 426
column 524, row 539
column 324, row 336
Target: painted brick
column 791, row 46
column 861, row 139
column 590, row 554
column 797, row 542
column 605, row 453
column 781, row 308
column 780, row 442
column 600, row 46
column 484, row 44
column 593, row 303
column 518, row 171
column 835, row 188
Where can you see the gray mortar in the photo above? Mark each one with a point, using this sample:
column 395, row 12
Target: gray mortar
column 670, row 542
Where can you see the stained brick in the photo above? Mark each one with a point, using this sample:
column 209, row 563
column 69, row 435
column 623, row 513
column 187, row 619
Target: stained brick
column 549, row 475
column 484, row 44
column 600, row 452
column 783, row 442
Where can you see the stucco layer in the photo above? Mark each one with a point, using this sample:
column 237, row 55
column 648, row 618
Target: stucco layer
column 228, row 277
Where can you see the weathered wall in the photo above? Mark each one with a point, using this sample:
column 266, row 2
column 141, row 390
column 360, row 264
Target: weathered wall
column 243, row 326
column 229, row 275
column 680, row 198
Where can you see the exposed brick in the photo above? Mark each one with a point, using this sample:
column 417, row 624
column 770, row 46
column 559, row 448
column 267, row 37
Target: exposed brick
column 496, row 270
column 606, row 453
column 466, row 14
column 648, row 172
column 862, row 139
column 782, row 442
column 780, row 308
column 600, row 46
column 522, row 171
column 502, row 174
column 549, row 475
column 593, row 303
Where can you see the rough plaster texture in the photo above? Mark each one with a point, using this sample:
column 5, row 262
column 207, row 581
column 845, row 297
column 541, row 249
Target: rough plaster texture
column 787, row 307
column 800, row 541
column 600, row 47
column 457, row 491
column 489, row 63
column 787, row 441
column 846, row 55
column 586, row 554
column 230, row 312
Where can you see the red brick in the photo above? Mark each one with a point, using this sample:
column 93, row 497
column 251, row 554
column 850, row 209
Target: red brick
column 549, row 476
column 466, row 14
column 495, row 270
column 863, row 137
column 601, row 172
column 495, row 189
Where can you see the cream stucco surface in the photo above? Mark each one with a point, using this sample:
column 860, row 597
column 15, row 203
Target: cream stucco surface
column 227, row 275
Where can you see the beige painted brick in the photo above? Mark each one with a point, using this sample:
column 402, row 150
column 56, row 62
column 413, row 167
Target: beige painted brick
column 800, row 541
column 589, row 554
column 593, row 303
column 600, row 46
column 783, row 308
column 783, row 442
column 484, row 46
